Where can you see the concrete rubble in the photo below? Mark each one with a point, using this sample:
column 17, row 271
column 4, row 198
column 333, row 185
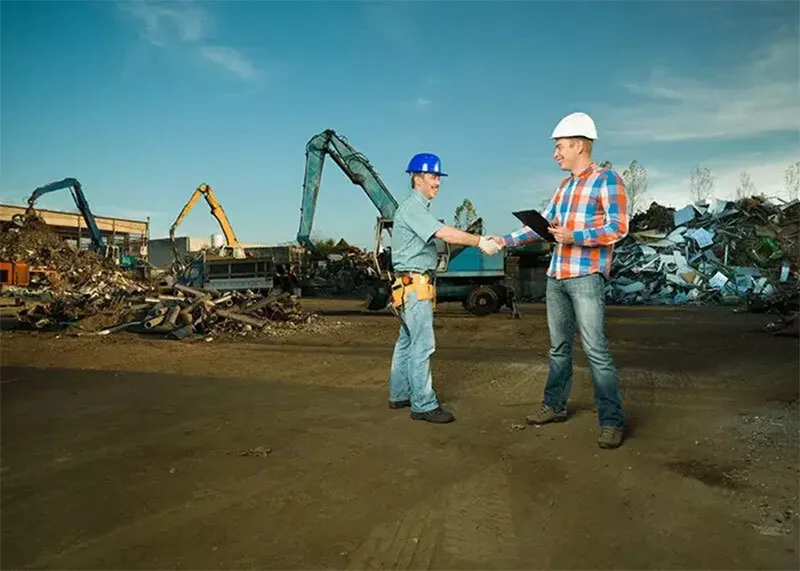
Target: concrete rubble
column 724, row 252
column 87, row 294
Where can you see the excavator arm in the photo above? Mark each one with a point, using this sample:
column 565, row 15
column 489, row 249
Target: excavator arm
column 80, row 201
column 216, row 211
column 357, row 168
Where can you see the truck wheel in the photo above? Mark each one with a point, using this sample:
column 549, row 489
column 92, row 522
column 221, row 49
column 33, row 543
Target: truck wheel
column 482, row 301
column 502, row 296
column 378, row 296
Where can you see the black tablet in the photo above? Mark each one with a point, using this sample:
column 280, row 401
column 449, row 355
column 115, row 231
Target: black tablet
column 536, row 222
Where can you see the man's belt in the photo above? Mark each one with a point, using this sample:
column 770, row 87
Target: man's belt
column 407, row 278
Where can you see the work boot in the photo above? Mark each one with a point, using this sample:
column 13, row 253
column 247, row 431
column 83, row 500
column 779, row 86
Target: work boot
column 544, row 415
column 437, row 415
column 399, row 403
column 609, row 437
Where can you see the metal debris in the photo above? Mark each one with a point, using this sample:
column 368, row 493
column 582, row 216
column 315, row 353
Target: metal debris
column 90, row 295
column 723, row 252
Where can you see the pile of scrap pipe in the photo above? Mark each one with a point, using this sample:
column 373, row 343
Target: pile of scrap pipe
column 196, row 311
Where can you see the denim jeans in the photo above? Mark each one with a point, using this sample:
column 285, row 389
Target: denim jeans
column 581, row 302
column 411, row 363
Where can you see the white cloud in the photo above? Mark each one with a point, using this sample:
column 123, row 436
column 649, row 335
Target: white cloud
column 186, row 24
column 166, row 23
column 670, row 187
column 231, row 60
column 422, row 102
column 760, row 97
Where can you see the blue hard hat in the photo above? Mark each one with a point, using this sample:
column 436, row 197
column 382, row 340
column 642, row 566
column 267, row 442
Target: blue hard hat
column 425, row 162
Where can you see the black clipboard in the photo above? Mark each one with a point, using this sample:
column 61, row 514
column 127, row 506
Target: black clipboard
column 535, row 222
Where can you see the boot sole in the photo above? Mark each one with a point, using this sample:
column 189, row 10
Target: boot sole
column 433, row 420
column 609, row 445
column 551, row 421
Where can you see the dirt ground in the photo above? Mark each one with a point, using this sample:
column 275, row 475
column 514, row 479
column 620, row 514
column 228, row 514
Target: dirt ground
column 128, row 452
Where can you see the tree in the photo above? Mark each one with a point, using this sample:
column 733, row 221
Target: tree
column 701, row 184
column 324, row 245
column 465, row 215
column 635, row 178
column 792, row 180
column 746, row 187
column 606, row 165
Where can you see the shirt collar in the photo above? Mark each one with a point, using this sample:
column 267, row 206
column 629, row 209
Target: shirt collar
column 587, row 172
column 419, row 196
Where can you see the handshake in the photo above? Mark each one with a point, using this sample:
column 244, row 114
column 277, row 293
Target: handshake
column 491, row 245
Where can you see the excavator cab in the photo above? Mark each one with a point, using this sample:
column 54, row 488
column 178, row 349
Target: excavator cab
column 112, row 252
column 228, row 251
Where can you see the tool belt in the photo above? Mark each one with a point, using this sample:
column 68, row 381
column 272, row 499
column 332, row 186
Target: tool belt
column 421, row 284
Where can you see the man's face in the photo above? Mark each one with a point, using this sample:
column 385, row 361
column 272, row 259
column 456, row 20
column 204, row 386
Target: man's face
column 428, row 184
column 566, row 153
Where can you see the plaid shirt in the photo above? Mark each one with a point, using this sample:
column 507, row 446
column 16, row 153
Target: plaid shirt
column 594, row 206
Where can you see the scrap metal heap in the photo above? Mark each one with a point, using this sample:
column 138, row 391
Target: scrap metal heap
column 722, row 252
column 65, row 273
column 344, row 273
column 83, row 291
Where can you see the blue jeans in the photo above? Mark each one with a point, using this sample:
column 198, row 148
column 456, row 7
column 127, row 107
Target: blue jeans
column 581, row 301
column 411, row 363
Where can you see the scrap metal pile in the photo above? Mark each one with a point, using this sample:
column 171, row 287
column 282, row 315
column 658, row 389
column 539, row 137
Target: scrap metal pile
column 83, row 291
column 343, row 274
column 64, row 274
column 723, row 252
column 191, row 311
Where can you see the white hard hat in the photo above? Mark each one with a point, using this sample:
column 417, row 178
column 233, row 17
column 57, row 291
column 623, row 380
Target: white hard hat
column 575, row 125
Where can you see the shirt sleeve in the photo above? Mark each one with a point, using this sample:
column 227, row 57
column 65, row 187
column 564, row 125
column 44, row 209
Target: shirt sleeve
column 420, row 220
column 615, row 204
column 527, row 234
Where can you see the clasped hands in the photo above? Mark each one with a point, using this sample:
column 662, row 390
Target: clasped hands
column 490, row 245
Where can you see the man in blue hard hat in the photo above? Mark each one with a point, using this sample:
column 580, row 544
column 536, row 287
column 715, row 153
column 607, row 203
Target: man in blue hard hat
column 414, row 258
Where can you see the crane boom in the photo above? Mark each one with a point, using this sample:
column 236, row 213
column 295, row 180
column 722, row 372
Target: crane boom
column 216, row 211
column 80, row 201
column 357, row 168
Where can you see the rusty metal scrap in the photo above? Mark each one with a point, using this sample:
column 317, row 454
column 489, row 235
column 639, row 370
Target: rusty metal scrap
column 92, row 295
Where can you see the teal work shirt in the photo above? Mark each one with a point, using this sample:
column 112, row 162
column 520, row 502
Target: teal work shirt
column 413, row 247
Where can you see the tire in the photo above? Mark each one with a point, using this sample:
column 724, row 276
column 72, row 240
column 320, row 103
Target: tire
column 482, row 301
column 502, row 296
column 378, row 296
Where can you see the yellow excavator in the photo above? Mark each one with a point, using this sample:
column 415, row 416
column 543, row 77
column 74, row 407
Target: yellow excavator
column 232, row 247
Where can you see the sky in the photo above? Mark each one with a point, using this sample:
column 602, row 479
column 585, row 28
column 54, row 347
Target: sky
column 143, row 101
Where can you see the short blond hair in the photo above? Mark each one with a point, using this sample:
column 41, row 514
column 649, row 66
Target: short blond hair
column 587, row 143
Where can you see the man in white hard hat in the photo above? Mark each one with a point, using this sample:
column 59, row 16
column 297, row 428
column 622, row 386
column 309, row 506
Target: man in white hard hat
column 588, row 215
